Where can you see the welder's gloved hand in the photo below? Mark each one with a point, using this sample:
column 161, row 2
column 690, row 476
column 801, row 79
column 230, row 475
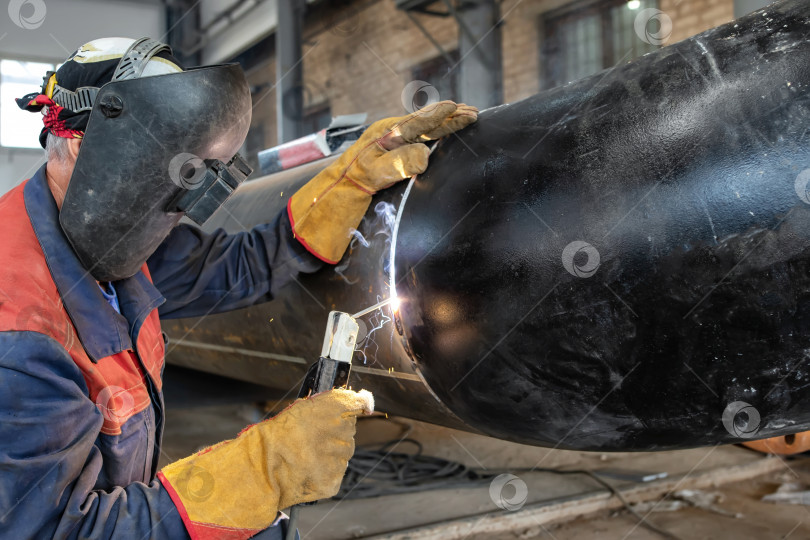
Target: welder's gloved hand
column 300, row 455
column 324, row 211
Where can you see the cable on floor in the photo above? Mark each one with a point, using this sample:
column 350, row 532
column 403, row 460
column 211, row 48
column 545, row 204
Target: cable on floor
column 377, row 470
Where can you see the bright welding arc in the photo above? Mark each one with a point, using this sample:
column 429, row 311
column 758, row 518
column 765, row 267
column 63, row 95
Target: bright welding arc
column 379, row 319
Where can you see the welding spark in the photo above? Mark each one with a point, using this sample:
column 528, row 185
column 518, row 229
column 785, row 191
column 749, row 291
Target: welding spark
column 379, row 318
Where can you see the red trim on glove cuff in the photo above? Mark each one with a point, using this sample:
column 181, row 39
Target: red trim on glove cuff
column 203, row 531
column 181, row 509
column 301, row 240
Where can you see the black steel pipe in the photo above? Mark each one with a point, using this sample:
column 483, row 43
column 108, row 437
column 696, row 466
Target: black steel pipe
column 622, row 263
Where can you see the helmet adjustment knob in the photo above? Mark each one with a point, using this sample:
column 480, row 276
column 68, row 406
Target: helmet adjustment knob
column 111, row 105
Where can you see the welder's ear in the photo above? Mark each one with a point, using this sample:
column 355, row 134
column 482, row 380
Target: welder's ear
column 73, row 149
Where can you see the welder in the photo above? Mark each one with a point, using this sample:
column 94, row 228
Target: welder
column 93, row 255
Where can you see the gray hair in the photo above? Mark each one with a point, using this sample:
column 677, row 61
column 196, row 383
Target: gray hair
column 56, row 148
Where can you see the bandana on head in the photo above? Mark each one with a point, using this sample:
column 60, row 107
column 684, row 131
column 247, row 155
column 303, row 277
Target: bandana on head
column 93, row 64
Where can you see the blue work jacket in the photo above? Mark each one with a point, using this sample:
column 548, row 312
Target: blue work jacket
column 76, row 462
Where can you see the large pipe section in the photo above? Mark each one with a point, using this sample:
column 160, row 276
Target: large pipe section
column 622, row 263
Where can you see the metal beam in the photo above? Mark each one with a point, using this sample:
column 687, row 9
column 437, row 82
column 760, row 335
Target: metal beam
column 430, row 38
column 479, row 45
column 463, row 28
column 289, row 70
column 182, row 23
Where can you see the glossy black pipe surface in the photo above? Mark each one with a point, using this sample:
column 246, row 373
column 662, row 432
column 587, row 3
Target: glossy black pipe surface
column 617, row 264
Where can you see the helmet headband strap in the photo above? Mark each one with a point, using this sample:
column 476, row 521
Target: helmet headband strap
column 131, row 66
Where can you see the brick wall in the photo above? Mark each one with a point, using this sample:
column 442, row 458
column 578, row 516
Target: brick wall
column 690, row 17
column 362, row 63
column 360, row 57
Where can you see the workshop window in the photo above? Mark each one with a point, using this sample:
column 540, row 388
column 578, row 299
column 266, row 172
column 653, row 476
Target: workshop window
column 590, row 37
column 19, row 128
column 440, row 73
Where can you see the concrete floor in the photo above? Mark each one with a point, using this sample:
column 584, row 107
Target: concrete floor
column 193, row 424
column 759, row 520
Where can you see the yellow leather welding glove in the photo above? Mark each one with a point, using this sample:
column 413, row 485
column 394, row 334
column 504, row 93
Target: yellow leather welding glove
column 325, row 211
column 235, row 489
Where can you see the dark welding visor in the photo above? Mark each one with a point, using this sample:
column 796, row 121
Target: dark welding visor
column 155, row 149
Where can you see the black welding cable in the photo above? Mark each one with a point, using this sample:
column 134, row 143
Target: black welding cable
column 376, row 473
column 380, row 471
column 607, row 485
column 377, row 470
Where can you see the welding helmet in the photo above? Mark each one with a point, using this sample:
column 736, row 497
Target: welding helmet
column 159, row 143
